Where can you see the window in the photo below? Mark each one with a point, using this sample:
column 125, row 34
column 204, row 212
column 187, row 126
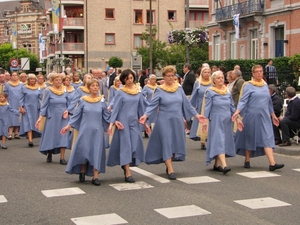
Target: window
column 215, row 6
column 172, row 15
column 217, row 47
column 137, row 42
column 6, row 31
column 253, row 44
column 233, row 46
column 109, row 13
column 27, row 46
column 110, row 39
column 138, row 16
column 148, row 17
column 25, row 28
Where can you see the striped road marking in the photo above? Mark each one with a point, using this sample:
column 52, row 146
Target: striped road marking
column 150, row 175
column 63, row 192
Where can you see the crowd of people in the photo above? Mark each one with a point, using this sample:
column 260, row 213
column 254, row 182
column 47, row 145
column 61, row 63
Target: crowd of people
column 235, row 117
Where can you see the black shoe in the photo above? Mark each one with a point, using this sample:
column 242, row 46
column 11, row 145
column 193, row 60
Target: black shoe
column 275, row 167
column 123, row 168
column 49, row 158
column 30, row 144
column 247, row 165
column 129, row 179
column 219, row 168
column 203, row 147
column 172, row 176
column 63, row 162
column 96, row 182
column 286, row 143
column 278, row 142
column 226, row 169
column 167, row 171
column 82, row 177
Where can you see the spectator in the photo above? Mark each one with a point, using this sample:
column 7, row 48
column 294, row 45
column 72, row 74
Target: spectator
column 238, row 82
column 188, row 79
column 270, row 73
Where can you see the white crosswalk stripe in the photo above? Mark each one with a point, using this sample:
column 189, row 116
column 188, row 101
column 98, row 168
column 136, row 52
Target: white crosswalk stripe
column 198, row 180
column 150, row 175
column 63, row 192
column 182, row 211
column 2, row 199
column 105, row 219
column 131, row 186
column 258, row 174
column 261, row 203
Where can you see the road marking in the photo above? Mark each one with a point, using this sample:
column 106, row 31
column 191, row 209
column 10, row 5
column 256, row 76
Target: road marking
column 298, row 170
column 258, row 174
column 150, row 175
column 63, row 192
column 182, row 211
column 2, row 199
column 105, row 219
column 131, row 186
column 262, row 203
column 198, row 180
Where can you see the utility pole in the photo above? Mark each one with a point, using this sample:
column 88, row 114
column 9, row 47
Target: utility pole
column 150, row 38
column 187, row 25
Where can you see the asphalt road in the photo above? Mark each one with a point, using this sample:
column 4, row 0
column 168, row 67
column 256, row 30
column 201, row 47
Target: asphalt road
column 25, row 174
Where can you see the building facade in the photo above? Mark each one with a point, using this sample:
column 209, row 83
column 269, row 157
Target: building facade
column 265, row 29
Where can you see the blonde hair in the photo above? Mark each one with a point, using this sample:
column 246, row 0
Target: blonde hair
column 202, row 71
column 168, row 69
column 91, row 81
column 31, row 76
column 54, row 75
column 215, row 74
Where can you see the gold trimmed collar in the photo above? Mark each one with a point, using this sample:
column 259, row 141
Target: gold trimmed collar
column 151, row 86
column 133, row 91
column 14, row 84
column 257, row 83
column 205, row 83
column 3, row 103
column 92, row 100
column 35, row 87
column 57, row 92
column 77, row 82
column 70, row 89
column 222, row 91
column 49, row 83
column 43, row 86
column 170, row 89
column 84, row 89
column 116, row 88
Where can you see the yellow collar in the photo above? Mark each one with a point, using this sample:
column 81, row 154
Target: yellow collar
column 151, row 86
column 43, row 86
column 84, row 89
column 77, row 82
column 224, row 90
column 70, row 89
column 92, row 100
column 205, row 83
column 50, row 83
column 115, row 87
column 35, row 87
column 257, row 83
column 57, row 92
column 169, row 89
column 133, row 91
column 14, row 84
column 3, row 103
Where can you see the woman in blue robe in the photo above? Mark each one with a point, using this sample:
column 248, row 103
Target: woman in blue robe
column 127, row 148
column 76, row 83
column 149, row 88
column 167, row 140
column 91, row 119
column 201, row 85
column 30, row 108
column 54, row 110
column 5, row 110
column 13, row 90
column 219, row 108
column 256, row 108
column 112, row 92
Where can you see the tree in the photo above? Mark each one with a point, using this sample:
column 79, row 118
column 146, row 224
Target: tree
column 7, row 53
column 115, row 62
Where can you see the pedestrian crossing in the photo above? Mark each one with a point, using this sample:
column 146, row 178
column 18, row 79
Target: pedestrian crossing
column 2, row 199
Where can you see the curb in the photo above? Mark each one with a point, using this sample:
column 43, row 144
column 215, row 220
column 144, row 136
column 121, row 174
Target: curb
column 288, row 151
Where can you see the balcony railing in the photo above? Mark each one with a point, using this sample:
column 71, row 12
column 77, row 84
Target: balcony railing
column 198, row 23
column 73, row 21
column 242, row 8
column 71, row 47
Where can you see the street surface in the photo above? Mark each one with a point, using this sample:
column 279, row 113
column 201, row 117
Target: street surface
column 33, row 191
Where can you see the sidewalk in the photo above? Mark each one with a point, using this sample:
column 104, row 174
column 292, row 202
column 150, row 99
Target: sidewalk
column 289, row 150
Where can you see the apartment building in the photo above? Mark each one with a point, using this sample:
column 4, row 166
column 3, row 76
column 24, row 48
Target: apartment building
column 265, row 29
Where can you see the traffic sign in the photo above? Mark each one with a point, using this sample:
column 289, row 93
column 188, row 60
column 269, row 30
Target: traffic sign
column 14, row 63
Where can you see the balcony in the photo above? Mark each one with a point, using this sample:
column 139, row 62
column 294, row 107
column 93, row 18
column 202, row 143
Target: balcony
column 247, row 8
column 73, row 23
column 198, row 23
column 72, row 2
column 70, row 48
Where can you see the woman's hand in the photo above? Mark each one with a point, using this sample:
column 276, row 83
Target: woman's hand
column 65, row 114
column 109, row 108
column 147, row 128
column 22, row 110
column 143, row 119
column 119, row 125
column 201, row 118
column 37, row 123
column 65, row 129
column 235, row 115
column 109, row 129
column 204, row 128
column 240, row 125
column 275, row 121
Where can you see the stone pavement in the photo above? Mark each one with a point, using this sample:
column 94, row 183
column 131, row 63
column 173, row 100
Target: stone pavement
column 293, row 150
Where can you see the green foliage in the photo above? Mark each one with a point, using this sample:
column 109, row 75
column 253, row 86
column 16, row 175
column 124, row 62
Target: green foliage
column 115, row 62
column 7, row 53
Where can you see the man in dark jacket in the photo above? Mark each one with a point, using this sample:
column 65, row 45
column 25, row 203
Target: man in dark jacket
column 277, row 105
column 188, row 79
column 291, row 120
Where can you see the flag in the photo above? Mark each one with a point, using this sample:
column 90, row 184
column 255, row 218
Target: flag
column 41, row 46
column 55, row 15
column 236, row 24
column 14, row 30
